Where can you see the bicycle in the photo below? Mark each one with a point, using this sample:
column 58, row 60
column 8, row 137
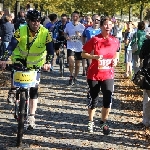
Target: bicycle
column 23, row 80
column 61, row 57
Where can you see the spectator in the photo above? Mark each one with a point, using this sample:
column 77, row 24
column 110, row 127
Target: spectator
column 145, row 56
column 119, row 29
column 138, row 36
column 2, row 17
column 128, row 51
column 7, row 31
column 18, row 20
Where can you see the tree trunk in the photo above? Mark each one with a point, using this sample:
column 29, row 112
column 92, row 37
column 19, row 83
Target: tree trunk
column 130, row 13
column 121, row 14
column 141, row 12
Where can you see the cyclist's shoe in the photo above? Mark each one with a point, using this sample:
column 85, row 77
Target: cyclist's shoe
column 11, row 96
column 57, row 61
column 90, row 126
column 31, row 122
column 71, row 80
column 105, row 128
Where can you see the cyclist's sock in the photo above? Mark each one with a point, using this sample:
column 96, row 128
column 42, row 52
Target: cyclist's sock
column 32, row 114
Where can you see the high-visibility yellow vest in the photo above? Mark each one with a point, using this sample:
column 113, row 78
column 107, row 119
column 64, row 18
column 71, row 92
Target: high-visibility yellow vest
column 36, row 55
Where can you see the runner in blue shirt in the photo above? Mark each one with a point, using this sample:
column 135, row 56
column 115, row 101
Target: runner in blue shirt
column 50, row 26
column 88, row 33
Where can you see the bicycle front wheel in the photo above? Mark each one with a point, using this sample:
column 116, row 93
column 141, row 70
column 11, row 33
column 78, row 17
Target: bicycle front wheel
column 21, row 118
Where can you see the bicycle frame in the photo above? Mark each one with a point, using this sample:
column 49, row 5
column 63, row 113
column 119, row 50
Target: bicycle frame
column 22, row 100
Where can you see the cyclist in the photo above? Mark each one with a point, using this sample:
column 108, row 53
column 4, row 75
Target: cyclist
column 59, row 34
column 31, row 46
column 73, row 32
column 101, row 71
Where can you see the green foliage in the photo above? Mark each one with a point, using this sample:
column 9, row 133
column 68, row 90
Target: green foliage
column 94, row 6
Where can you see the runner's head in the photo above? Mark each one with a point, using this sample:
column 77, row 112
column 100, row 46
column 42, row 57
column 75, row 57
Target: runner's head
column 75, row 16
column 22, row 13
column 34, row 18
column 96, row 20
column 53, row 18
column 88, row 19
column 106, row 25
column 64, row 18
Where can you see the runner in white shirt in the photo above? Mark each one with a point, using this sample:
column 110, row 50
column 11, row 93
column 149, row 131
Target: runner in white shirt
column 73, row 32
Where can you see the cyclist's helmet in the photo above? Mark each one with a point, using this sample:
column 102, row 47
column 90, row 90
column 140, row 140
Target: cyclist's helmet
column 33, row 14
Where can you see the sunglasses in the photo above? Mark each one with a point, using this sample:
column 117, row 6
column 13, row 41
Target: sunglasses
column 96, row 20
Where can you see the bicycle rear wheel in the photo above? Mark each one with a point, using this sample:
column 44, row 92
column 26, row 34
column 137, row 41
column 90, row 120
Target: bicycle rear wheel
column 21, row 118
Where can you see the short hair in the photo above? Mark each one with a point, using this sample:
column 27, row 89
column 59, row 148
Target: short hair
column 141, row 25
column 63, row 15
column 76, row 12
column 94, row 15
column 52, row 17
column 103, row 19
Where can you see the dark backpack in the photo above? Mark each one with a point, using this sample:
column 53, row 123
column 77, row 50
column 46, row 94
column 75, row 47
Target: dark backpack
column 145, row 53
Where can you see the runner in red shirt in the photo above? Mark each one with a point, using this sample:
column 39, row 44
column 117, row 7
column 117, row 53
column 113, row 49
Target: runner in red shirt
column 101, row 71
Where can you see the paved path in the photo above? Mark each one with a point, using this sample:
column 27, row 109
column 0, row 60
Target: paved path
column 62, row 120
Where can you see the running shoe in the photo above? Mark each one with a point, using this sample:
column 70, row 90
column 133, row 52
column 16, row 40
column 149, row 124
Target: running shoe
column 71, row 80
column 75, row 80
column 90, row 126
column 105, row 128
column 31, row 122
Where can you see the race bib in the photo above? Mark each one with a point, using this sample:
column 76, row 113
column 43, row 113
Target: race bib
column 74, row 38
column 25, row 79
column 104, row 64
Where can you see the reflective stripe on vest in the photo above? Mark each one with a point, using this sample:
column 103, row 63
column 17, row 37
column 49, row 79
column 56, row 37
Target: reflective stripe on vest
column 25, row 53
